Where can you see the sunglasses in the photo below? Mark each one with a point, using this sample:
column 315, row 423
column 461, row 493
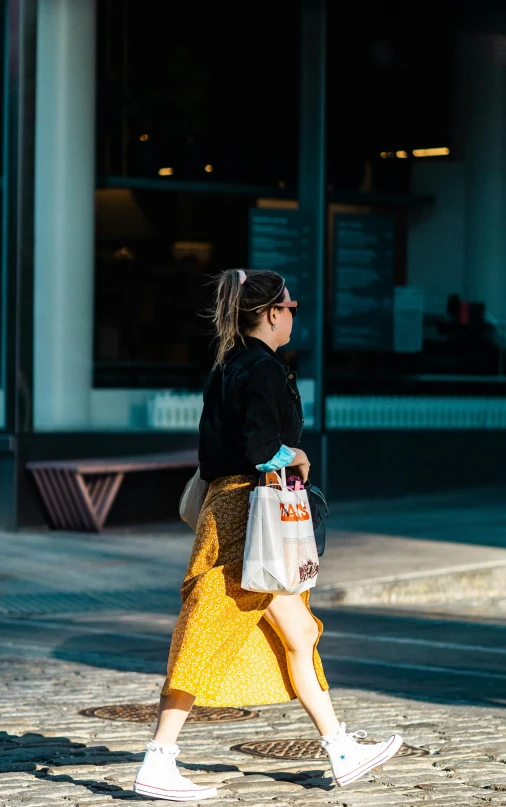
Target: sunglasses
column 292, row 305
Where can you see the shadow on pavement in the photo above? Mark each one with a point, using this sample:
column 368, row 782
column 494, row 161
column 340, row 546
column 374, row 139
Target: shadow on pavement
column 421, row 656
column 30, row 751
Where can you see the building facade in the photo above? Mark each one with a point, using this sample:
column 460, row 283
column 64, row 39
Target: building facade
column 357, row 152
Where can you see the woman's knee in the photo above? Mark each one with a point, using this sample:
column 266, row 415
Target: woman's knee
column 296, row 628
column 303, row 638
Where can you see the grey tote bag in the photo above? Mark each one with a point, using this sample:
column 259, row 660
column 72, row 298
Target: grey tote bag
column 190, row 503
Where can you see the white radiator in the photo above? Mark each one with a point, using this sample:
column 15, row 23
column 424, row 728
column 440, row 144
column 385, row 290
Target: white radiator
column 176, row 411
column 368, row 412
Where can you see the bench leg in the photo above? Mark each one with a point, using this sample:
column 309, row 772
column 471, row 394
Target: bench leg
column 99, row 492
column 74, row 503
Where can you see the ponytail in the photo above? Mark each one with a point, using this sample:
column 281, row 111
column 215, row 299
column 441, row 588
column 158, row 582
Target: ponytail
column 226, row 317
column 242, row 296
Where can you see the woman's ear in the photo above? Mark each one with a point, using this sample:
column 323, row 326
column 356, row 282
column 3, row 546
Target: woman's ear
column 272, row 316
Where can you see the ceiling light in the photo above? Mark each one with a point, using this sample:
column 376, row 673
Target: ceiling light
column 401, row 154
column 209, row 169
column 438, row 152
column 166, row 172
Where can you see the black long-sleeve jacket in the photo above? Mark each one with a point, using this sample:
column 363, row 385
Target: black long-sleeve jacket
column 251, row 408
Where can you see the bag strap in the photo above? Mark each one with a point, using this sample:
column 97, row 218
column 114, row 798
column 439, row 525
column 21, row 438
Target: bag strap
column 313, row 490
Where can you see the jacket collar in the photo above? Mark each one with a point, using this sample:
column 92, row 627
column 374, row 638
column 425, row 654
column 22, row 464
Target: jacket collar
column 252, row 342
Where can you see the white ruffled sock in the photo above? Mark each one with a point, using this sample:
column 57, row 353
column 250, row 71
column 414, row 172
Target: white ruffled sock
column 336, row 735
column 168, row 748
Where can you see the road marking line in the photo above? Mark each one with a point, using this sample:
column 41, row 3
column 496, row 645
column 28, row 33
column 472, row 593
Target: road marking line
column 84, row 629
column 347, row 659
column 77, row 657
column 64, row 626
column 418, row 667
column 422, row 642
column 120, row 662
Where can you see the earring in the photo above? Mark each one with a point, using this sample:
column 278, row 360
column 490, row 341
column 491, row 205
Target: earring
column 274, row 327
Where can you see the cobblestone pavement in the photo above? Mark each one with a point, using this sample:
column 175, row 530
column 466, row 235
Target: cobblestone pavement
column 51, row 755
column 85, row 621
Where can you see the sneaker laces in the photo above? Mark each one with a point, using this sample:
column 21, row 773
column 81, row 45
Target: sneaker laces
column 342, row 735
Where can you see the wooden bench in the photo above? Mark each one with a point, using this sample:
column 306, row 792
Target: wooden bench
column 78, row 494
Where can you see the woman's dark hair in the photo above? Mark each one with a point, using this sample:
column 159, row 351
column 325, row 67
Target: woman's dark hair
column 239, row 306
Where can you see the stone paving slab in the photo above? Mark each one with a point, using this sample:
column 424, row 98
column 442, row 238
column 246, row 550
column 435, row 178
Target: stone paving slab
column 51, row 755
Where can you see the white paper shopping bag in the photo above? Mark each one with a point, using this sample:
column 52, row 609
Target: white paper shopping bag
column 280, row 554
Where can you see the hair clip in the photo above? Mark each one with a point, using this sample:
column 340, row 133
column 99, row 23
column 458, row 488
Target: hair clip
column 242, row 276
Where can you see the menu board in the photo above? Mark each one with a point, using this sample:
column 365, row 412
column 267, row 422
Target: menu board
column 363, row 282
column 283, row 241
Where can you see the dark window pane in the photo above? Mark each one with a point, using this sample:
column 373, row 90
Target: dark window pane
column 156, row 254
column 214, row 88
column 415, row 123
column 388, row 90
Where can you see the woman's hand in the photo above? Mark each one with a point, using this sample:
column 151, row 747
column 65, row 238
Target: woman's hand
column 302, row 463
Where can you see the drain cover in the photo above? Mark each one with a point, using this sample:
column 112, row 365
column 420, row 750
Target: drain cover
column 148, row 713
column 303, row 749
column 294, row 749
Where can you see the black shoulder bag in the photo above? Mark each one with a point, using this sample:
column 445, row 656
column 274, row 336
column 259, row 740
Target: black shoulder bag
column 316, row 502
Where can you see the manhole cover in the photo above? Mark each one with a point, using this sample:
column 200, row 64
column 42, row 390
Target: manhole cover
column 303, row 749
column 148, row 713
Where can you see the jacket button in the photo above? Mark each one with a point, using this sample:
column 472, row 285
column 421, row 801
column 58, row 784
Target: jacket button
column 290, row 375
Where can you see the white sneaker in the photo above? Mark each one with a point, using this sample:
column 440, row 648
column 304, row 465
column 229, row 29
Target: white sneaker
column 159, row 778
column 351, row 760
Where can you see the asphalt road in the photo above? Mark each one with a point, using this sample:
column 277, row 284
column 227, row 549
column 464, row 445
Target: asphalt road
column 111, row 601
column 422, row 655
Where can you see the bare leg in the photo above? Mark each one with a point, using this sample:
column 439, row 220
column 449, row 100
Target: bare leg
column 298, row 631
column 172, row 714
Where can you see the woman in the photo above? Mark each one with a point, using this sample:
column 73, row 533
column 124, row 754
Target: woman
column 233, row 647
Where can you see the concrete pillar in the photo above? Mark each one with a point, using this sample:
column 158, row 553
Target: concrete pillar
column 312, row 177
column 480, row 84
column 64, row 213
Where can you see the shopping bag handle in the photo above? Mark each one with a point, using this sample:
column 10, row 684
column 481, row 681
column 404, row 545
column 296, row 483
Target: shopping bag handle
column 281, row 483
column 281, row 480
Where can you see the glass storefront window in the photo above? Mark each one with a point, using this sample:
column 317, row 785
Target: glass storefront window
column 186, row 114
column 156, row 253
column 210, row 96
column 388, row 92
column 416, row 300
column 156, row 256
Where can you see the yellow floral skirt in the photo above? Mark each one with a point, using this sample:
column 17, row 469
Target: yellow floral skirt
column 222, row 650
